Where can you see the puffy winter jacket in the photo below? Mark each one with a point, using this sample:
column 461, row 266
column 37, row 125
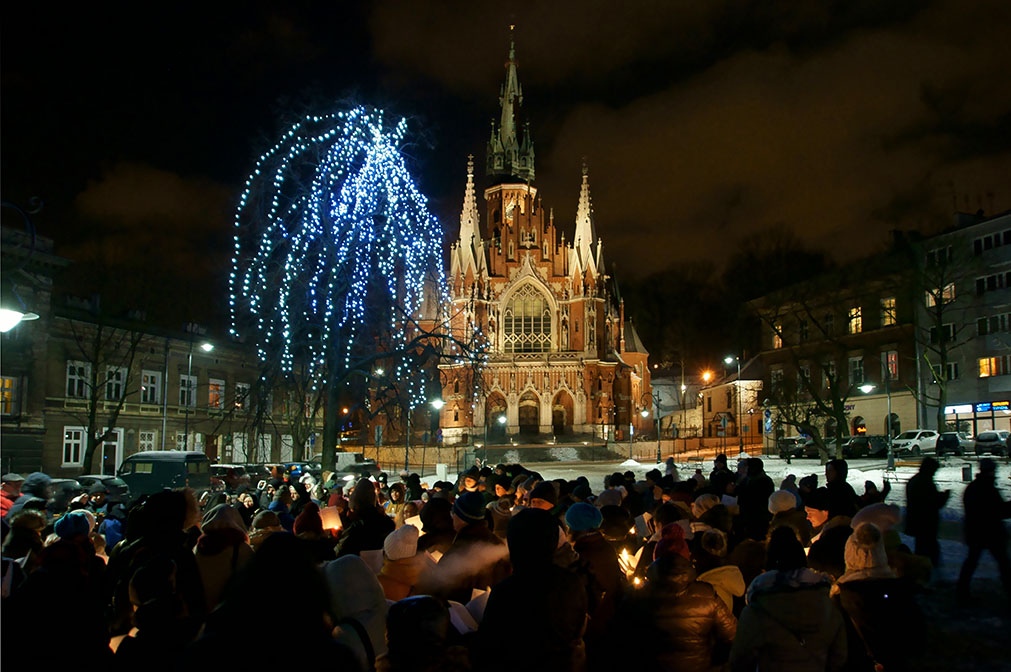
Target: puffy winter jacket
column 790, row 624
column 675, row 619
column 883, row 623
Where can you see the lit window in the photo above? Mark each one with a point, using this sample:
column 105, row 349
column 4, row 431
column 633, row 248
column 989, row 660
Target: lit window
column 215, row 393
column 993, row 366
column 855, row 323
column 888, row 311
column 890, row 363
column 8, row 395
column 241, row 396
column 777, row 335
column 945, row 295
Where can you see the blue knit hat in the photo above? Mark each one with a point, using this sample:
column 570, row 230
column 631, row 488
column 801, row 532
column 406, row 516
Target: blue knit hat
column 581, row 517
column 71, row 525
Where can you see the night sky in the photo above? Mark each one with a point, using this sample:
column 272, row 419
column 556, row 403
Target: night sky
column 702, row 122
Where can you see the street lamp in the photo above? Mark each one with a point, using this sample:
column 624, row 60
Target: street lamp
column 12, row 308
column 730, row 359
column 867, row 388
column 190, row 388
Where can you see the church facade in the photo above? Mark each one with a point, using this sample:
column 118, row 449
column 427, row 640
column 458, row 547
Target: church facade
column 560, row 360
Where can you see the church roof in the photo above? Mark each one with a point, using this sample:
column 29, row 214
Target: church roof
column 632, row 341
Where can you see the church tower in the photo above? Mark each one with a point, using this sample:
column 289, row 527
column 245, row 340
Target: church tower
column 557, row 364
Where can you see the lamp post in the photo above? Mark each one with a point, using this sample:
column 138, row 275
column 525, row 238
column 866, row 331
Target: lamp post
column 437, row 404
column 191, row 389
column 706, row 377
column 867, row 388
column 730, row 359
column 684, row 417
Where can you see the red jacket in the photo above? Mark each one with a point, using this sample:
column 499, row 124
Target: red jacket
column 6, row 502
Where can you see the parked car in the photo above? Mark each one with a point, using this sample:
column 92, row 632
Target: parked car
column 915, row 442
column 62, row 490
column 229, row 476
column 992, row 441
column 152, row 471
column 954, row 443
column 119, row 491
column 792, row 446
column 865, row 445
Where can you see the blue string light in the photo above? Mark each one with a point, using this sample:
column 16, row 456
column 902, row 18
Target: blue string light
column 329, row 217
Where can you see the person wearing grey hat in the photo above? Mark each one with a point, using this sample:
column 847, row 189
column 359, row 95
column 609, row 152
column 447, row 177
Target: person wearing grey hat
column 10, row 492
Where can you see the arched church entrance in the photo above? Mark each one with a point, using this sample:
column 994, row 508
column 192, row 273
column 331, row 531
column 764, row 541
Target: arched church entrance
column 561, row 414
column 529, row 413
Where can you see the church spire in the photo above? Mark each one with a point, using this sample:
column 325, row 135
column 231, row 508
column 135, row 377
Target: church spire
column 508, row 157
column 470, row 230
column 585, row 235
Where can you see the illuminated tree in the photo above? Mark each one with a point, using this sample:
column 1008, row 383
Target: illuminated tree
column 337, row 267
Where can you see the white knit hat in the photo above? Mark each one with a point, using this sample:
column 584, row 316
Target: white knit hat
column 782, row 500
column 865, row 548
column 401, row 543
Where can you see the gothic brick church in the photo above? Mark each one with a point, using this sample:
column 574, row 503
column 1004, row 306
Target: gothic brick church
column 562, row 360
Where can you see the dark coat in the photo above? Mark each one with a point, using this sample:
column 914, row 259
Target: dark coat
column 753, row 498
column 601, row 563
column 538, row 614
column 674, row 622
column 789, row 624
column 795, row 518
column 842, row 499
column 883, row 622
column 367, row 532
column 923, row 505
column 985, row 511
column 477, row 559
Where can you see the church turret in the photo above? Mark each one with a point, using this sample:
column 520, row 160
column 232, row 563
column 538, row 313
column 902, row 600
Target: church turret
column 470, row 247
column 509, row 158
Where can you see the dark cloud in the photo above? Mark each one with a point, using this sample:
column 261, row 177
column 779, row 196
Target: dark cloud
column 131, row 195
column 703, row 122
column 877, row 129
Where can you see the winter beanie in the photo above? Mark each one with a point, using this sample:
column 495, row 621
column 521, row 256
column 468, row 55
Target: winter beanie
column 401, row 543
column 703, row 503
column 714, row 542
column 865, row 549
column 672, row 541
column 782, row 500
column 470, row 507
column 884, row 516
column 71, row 525
column 309, row 520
column 545, row 490
column 582, row 517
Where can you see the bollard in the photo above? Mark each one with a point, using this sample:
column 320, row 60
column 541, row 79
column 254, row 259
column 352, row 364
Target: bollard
column 967, row 473
column 441, row 470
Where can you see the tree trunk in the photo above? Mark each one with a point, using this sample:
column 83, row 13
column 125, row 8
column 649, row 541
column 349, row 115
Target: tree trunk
column 331, row 427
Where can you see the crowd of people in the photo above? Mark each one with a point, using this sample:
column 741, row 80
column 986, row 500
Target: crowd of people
column 500, row 570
